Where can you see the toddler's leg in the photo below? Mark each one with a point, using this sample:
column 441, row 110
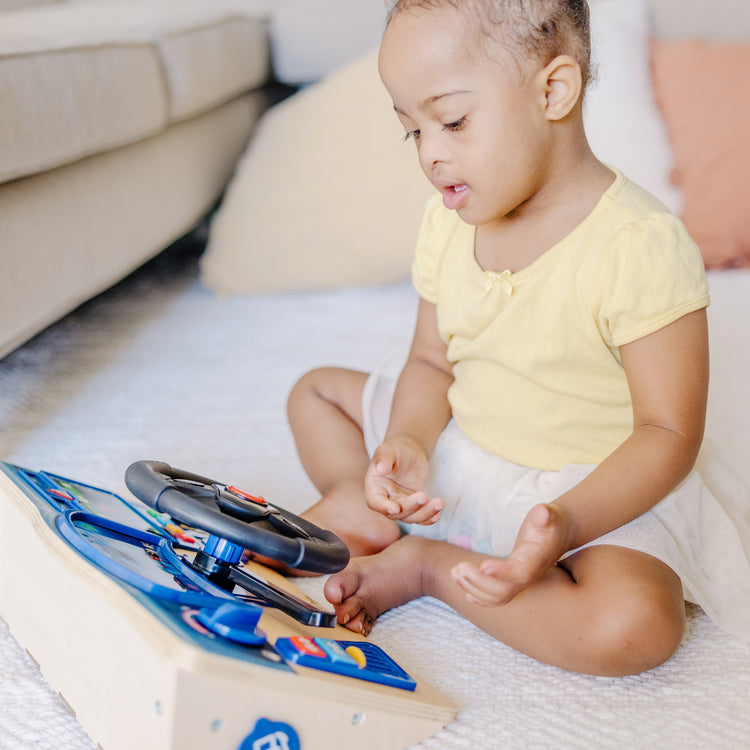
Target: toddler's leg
column 605, row 610
column 325, row 414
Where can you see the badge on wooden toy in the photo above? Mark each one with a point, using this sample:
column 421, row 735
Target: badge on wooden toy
column 271, row 735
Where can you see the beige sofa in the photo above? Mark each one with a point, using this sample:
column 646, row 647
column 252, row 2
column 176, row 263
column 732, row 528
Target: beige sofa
column 121, row 123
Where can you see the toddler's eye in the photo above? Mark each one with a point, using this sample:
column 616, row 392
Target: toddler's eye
column 457, row 125
column 412, row 134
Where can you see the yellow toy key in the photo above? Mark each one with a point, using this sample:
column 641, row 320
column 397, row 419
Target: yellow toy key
column 358, row 655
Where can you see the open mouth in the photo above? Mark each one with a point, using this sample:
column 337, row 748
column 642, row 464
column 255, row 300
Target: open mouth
column 454, row 196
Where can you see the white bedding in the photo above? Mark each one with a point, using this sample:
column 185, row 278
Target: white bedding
column 158, row 368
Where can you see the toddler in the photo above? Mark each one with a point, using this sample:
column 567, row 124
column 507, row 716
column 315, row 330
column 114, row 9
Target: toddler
column 531, row 463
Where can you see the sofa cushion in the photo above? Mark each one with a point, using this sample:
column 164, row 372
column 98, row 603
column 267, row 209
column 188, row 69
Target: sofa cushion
column 212, row 61
column 61, row 104
column 80, row 79
column 71, row 232
column 326, row 194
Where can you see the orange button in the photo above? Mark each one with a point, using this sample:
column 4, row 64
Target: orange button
column 307, row 646
column 247, row 495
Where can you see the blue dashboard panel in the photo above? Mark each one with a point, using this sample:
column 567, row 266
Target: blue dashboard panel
column 118, row 538
column 153, row 565
column 141, row 559
column 68, row 494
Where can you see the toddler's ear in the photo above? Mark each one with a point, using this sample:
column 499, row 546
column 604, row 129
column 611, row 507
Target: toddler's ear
column 563, row 86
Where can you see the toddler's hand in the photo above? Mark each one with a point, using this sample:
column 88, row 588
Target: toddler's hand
column 395, row 480
column 541, row 541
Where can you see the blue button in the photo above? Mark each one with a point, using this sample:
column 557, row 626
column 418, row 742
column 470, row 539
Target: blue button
column 235, row 622
column 335, row 652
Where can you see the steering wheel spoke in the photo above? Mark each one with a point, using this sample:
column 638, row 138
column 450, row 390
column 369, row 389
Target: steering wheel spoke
column 287, row 526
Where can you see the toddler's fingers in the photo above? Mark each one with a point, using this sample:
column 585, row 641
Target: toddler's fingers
column 464, row 580
column 383, row 460
column 480, row 588
column 426, row 512
column 412, row 502
column 499, row 569
column 379, row 498
column 388, row 507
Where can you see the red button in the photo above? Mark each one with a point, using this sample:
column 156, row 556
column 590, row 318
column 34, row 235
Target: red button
column 60, row 493
column 247, row 495
column 307, row 646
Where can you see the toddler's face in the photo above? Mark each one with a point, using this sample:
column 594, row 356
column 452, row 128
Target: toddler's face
column 477, row 124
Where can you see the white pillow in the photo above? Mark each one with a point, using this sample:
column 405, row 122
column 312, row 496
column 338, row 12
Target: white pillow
column 623, row 122
column 327, row 196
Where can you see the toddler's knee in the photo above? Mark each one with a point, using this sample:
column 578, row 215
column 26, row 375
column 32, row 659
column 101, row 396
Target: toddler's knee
column 640, row 633
column 308, row 387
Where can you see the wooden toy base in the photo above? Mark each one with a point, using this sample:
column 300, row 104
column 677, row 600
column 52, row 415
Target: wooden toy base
column 134, row 683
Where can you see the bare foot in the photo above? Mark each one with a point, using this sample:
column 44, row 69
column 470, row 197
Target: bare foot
column 542, row 540
column 369, row 586
column 343, row 511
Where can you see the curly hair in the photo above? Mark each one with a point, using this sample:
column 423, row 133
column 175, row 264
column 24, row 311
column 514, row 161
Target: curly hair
column 536, row 29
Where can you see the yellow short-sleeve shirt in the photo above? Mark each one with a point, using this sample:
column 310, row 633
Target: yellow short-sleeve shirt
column 538, row 378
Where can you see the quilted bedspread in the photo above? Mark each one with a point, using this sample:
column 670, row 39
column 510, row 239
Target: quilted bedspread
column 159, row 368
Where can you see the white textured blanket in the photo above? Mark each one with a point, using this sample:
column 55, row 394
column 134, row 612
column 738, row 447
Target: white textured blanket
column 158, row 368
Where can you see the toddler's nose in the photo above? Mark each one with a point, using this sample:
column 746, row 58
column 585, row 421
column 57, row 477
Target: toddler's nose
column 432, row 152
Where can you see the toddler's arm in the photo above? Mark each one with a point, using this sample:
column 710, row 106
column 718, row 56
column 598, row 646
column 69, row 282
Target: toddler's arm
column 394, row 483
column 667, row 373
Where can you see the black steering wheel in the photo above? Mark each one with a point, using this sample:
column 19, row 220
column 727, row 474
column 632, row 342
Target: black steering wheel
column 241, row 518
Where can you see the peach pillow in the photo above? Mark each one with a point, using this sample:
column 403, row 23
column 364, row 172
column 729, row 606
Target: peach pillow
column 703, row 92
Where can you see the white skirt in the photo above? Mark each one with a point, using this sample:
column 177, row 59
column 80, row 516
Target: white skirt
column 705, row 539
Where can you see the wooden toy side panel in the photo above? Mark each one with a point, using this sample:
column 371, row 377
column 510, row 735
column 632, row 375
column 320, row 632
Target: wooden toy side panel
column 322, row 721
column 67, row 616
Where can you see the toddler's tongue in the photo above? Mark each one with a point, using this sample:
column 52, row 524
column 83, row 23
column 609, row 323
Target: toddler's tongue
column 454, row 196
